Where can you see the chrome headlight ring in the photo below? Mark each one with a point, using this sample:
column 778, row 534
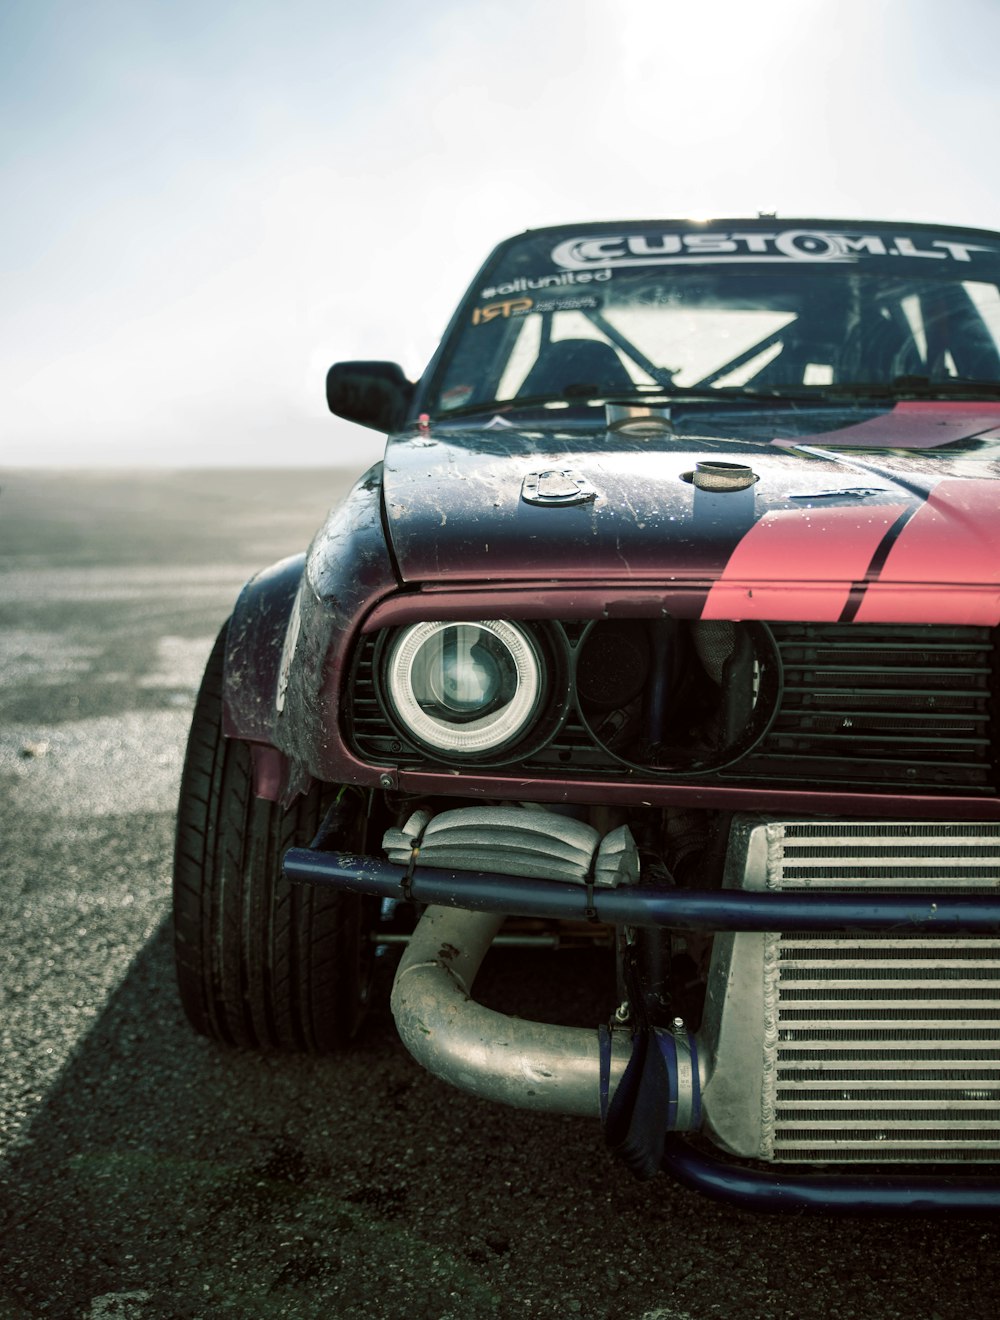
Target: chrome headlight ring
column 464, row 688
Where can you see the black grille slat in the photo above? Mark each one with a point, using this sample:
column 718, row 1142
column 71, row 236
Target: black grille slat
column 372, row 734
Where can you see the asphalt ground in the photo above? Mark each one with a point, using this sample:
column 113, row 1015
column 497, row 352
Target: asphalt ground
column 148, row 1174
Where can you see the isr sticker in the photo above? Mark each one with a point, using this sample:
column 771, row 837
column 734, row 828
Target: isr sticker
column 501, row 310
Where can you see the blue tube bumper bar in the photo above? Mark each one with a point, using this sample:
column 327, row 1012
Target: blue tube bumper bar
column 828, row 1193
column 635, row 905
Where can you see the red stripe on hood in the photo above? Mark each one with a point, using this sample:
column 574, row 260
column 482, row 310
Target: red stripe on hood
column 952, row 540
column 800, row 563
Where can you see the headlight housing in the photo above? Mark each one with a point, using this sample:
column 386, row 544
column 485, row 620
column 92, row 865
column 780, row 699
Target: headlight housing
column 464, row 688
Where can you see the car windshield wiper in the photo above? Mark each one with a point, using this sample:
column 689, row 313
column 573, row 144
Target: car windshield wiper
column 491, row 406
column 579, row 396
column 583, row 395
column 586, row 396
column 915, row 387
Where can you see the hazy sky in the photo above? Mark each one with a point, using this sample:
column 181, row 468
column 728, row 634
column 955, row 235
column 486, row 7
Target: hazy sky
column 206, row 203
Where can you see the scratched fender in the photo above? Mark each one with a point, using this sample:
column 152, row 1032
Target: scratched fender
column 292, row 626
column 255, row 644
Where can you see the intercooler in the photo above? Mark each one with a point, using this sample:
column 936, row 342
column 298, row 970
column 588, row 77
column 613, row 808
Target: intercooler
column 856, row 1047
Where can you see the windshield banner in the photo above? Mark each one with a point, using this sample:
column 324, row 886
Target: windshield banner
column 668, row 249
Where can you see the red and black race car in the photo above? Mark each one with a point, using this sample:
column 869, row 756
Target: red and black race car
column 670, row 617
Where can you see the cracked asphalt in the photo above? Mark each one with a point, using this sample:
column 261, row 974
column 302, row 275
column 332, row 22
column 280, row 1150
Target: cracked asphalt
column 149, row 1175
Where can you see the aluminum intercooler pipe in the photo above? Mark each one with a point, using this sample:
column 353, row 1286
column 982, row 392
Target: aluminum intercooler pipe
column 529, row 1065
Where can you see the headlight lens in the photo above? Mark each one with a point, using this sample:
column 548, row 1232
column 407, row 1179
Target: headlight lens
column 464, row 688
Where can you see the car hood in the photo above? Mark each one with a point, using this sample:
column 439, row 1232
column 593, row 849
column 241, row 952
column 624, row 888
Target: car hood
column 909, row 491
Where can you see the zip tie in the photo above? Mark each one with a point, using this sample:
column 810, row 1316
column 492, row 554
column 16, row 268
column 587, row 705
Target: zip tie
column 590, row 911
column 406, row 884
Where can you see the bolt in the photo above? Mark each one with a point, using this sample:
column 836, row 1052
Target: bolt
column 677, row 1024
column 622, row 1011
column 385, row 781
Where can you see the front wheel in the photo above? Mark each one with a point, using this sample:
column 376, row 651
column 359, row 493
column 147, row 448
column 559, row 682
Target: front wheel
column 260, row 962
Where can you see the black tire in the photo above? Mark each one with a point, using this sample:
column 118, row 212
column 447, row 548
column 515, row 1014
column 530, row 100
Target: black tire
column 260, row 962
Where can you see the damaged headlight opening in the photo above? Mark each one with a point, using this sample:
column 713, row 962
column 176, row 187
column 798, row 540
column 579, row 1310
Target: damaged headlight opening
column 464, row 688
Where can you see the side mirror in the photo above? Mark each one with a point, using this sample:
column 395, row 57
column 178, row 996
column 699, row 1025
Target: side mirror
column 375, row 394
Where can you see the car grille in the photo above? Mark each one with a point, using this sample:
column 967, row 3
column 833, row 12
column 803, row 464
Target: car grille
column 875, row 1048
column 881, row 708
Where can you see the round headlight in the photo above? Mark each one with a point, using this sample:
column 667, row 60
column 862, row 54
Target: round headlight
column 464, row 688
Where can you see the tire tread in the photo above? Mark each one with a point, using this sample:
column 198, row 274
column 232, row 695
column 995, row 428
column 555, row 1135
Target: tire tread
column 260, row 963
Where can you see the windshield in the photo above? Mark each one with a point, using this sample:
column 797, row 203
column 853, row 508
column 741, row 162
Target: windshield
column 566, row 316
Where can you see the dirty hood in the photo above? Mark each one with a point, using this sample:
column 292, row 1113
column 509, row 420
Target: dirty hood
column 909, row 494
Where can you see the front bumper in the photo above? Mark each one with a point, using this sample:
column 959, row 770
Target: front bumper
column 717, row 910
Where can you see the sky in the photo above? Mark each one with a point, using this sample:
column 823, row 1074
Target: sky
column 207, row 202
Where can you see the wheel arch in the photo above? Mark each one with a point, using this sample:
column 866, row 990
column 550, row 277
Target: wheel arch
column 259, row 647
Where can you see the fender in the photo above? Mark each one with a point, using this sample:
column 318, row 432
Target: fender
column 290, row 633
column 255, row 645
